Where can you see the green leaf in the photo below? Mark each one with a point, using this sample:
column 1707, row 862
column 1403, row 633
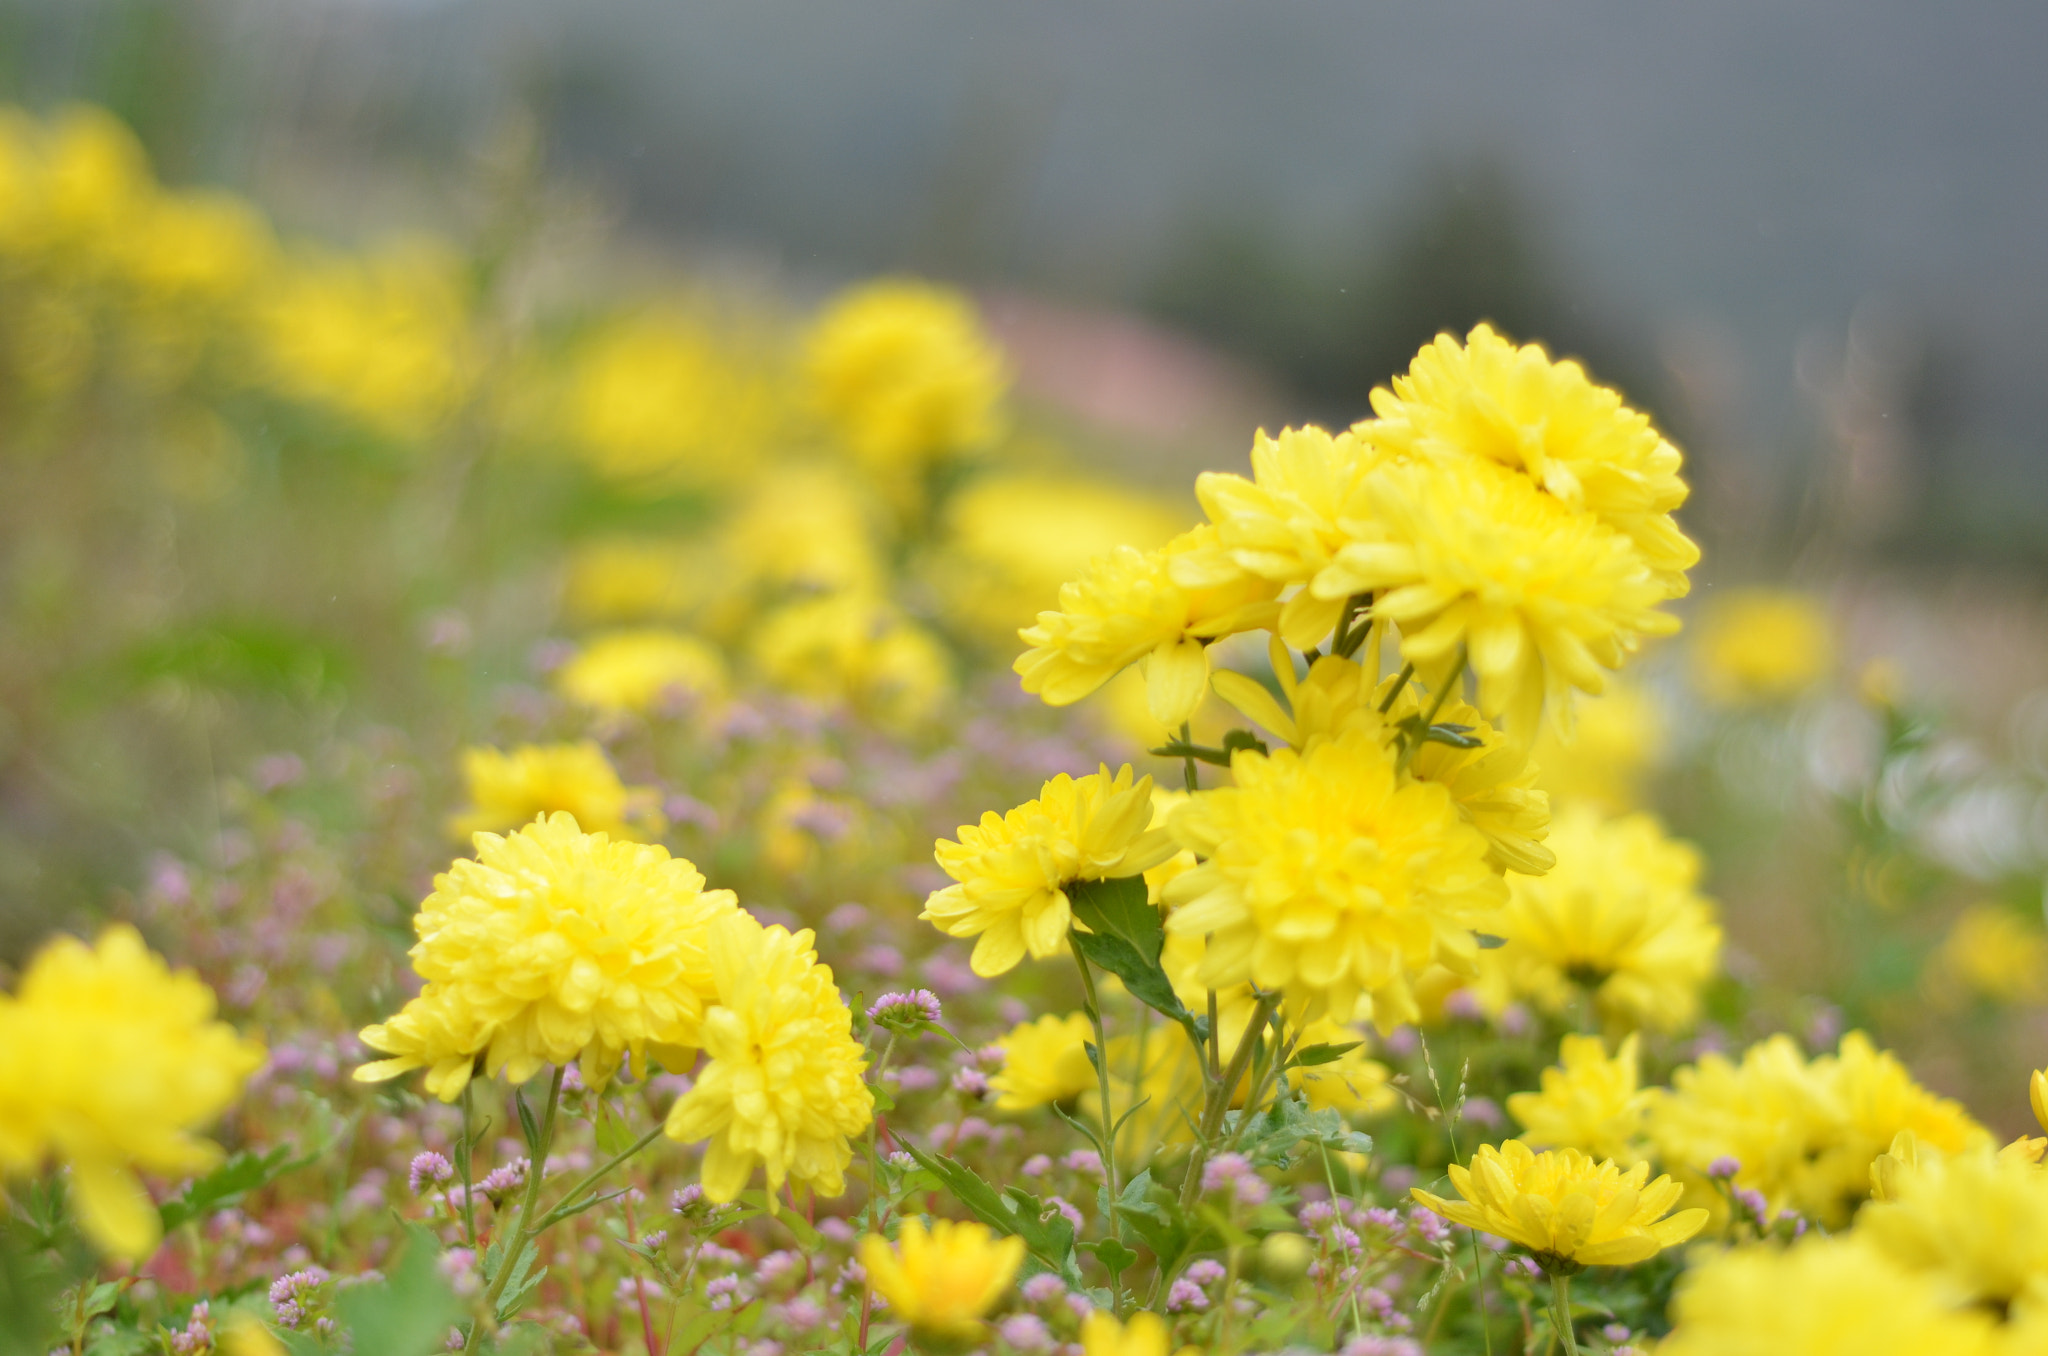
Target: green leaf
column 408, row 1314
column 241, row 1174
column 1114, row 1256
column 1198, row 752
column 1308, row 1056
column 883, row 1101
column 1046, row 1233
column 1488, row 942
column 1146, row 981
column 1456, row 736
column 1120, row 908
column 1243, row 739
column 615, row 1134
column 527, row 1125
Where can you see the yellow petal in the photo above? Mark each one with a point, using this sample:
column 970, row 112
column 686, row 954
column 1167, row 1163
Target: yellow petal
column 1253, row 701
column 114, row 1210
column 1176, row 679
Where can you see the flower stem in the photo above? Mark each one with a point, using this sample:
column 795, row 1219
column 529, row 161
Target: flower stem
column 462, row 1161
column 1187, row 739
column 1443, row 693
column 1561, row 1311
column 1116, row 1292
column 523, row 1228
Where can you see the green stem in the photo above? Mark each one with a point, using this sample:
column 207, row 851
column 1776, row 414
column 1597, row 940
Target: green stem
column 462, row 1161
column 1394, row 692
column 566, row 1205
column 522, row 1227
column 1443, row 694
column 1218, row 1100
column 1116, row 1289
column 1187, row 739
column 1561, row 1311
column 1330, row 1179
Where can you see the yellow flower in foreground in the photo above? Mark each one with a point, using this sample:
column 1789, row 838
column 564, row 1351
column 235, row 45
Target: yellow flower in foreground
column 1590, row 1103
column 1044, row 1061
column 109, row 1061
column 1976, row 1221
column 1145, row 1335
column 1329, row 878
column 637, row 670
column 1567, row 1209
column 552, row 946
column 1012, row 871
column 245, row 1335
column 783, row 1090
column 1127, row 608
column 1821, row 1297
column 1762, row 645
column 941, row 1282
column 507, row 790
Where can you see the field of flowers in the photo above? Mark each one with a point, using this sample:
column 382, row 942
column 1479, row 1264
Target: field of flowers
column 689, row 824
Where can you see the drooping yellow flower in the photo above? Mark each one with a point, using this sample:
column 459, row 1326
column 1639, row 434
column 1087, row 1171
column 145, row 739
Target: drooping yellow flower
column 1578, row 441
column 1617, row 738
column 1804, row 1134
column 783, row 1090
column 1567, row 1209
column 1146, row 1334
column 1762, row 645
column 858, row 651
column 905, row 374
column 508, row 789
column 1977, row 1221
column 941, row 1282
column 1127, row 608
column 1991, row 952
column 637, row 670
column 1044, row 1061
column 1590, row 1102
column 1329, row 878
column 1835, row 1296
column 552, row 946
column 1012, row 871
column 1542, row 597
column 110, row 1062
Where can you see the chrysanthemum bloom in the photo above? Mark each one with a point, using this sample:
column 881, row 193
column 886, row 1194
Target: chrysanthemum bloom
column 1836, row 1296
column 1761, row 645
column 1590, row 1103
column 857, row 650
column 554, row 946
column 1128, row 608
column 666, row 398
column 1328, row 877
column 109, row 1062
column 1977, row 1221
column 1991, row 952
column 1146, row 1334
column 906, row 375
column 941, row 1282
column 1805, row 1134
column 783, row 1089
column 636, row 670
column 1578, row 441
column 1543, row 597
column 1567, row 1209
column 1619, row 918
column 1044, row 1061
column 1013, row 870
column 511, row 789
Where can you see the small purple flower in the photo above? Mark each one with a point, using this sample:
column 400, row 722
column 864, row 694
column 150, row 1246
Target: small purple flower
column 1723, row 1168
column 1525, row 1267
column 502, row 1182
column 1185, row 1295
column 289, row 1294
column 1208, row 1271
column 1025, row 1332
column 916, row 1078
column 1616, row 1332
column 1084, row 1161
column 1038, row 1165
column 686, row 1199
column 1044, row 1288
column 971, row 1083
column 1382, row 1346
column 1427, row 1226
column 801, row 1313
column 1482, row 1111
column 1224, row 1171
column 722, row 1291
column 905, row 1011
column 1752, row 1201
column 429, row 1170
column 1067, row 1208
column 198, row 1334
column 655, row 1238
column 1081, row 1305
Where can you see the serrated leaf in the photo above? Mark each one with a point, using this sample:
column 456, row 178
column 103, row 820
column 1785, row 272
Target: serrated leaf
column 1047, row 1234
column 1308, row 1056
column 883, row 1101
column 241, row 1174
column 1146, row 981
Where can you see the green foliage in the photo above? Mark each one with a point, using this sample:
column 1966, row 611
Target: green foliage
column 1047, row 1234
column 241, row 1174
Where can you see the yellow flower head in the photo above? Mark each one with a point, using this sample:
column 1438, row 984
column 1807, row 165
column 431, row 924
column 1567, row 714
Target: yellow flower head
column 110, row 1061
column 636, row 670
column 1546, row 419
column 667, row 398
column 783, row 1090
column 1329, row 878
column 905, row 374
column 2037, row 1096
column 1590, row 1103
column 507, row 790
column 1619, row 917
column 1044, row 1061
column 941, row 1282
column 803, row 528
column 1128, row 607
column 619, row 579
column 1543, row 597
column 1762, row 645
column 1991, row 952
column 1145, row 1335
column 1834, row 1296
column 853, row 649
column 1567, row 1209
column 1616, row 738
column 1977, row 1221
column 554, row 945
column 1012, row 870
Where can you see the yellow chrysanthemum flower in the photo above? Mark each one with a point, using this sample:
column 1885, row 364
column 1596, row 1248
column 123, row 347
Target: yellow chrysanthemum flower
column 1762, row 645
column 1578, row 441
column 905, row 374
column 1991, row 952
column 1804, row 1134
column 1567, row 1209
column 636, row 670
column 1146, row 1334
column 509, row 789
column 1616, row 739
column 941, row 1282
column 783, row 1090
column 1012, row 871
column 1834, row 1296
column 629, row 579
column 552, row 946
column 1128, row 608
column 803, row 528
column 1976, row 1221
column 1542, row 597
column 857, row 650
column 1328, row 877
column 1590, row 1102
column 110, row 1061
column 667, row 398
column 1044, row 1061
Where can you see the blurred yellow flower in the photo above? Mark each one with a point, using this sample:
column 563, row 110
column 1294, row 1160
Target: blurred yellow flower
column 1569, row 1210
column 1146, row 1334
column 633, row 579
column 1616, row 739
column 1353, row 1083
column 1993, row 953
column 1012, row 871
column 554, row 946
column 943, row 1280
column 856, row 650
column 109, row 1062
column 904, row 373
column 783, row 1090
column 509, row 789
column 664, row 398
column 1044, row 1061
column 1762, row 645
column 1589, row 1102
column 245, row 1335
column 802, row 528
column 1976, row 1221
column 638, row 670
